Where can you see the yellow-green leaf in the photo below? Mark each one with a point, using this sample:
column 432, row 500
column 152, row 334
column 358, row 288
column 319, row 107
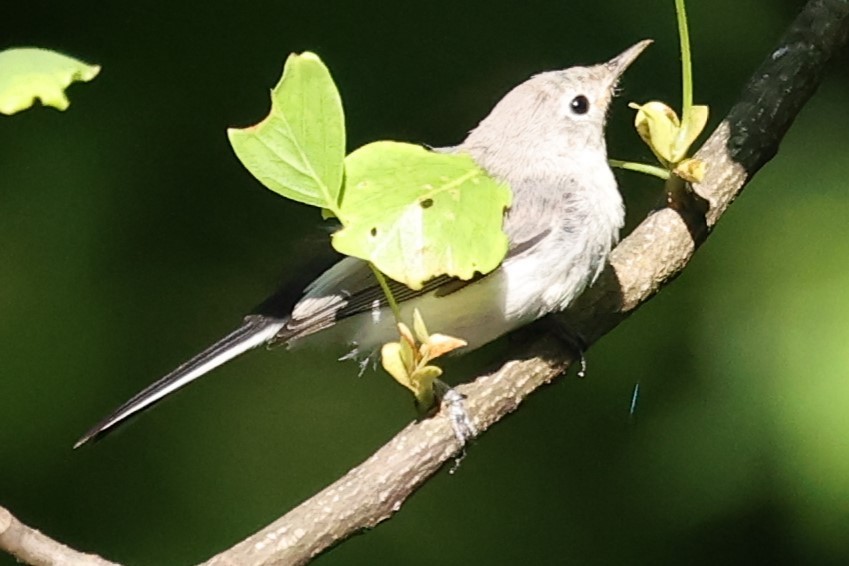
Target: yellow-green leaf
column 28, row 74
column 441, row 344
column 422, row 380
column 668, row 137
column 416, row 214
column 657, row 124
column 691, row 170
column 690, row 130
column 419, row 326
column 298, row 150
column 391, row 358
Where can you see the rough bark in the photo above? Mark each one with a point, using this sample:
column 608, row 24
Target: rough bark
column 32, row 547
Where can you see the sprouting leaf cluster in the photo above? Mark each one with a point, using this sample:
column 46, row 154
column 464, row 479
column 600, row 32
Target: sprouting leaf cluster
column 408, row 360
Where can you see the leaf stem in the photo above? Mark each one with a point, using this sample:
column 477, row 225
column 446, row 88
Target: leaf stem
column 653, row 170
column 686, row 69
column 390, row 298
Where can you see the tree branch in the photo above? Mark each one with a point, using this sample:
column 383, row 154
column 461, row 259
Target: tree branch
column 32, row 547
column 648, row 259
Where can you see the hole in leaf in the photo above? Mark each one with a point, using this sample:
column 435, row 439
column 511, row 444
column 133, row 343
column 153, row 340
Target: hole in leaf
column 426, row 203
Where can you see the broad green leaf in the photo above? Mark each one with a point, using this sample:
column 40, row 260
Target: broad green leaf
column 298, row 150
column 416, row 214
column 29, row 73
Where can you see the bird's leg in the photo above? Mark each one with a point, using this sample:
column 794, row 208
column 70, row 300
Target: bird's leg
column 464, row 429
column 571, row 339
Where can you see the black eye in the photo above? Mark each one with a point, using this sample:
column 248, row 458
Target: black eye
column 580, row 104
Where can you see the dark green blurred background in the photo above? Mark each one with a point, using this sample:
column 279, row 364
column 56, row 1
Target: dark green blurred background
column 130, row 237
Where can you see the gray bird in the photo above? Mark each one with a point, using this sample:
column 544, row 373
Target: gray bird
column 545, row 138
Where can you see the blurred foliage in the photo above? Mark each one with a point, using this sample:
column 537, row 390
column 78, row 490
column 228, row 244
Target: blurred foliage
column 132, row 237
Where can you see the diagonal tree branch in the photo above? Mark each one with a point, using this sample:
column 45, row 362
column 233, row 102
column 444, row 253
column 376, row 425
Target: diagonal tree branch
column 648, row 259
column 32, row 547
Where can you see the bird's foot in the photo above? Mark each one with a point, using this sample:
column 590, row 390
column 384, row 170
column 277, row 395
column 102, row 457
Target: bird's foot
column 571, row 339
column 464, row 429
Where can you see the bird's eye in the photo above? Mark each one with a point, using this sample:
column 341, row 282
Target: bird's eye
column 580, row 104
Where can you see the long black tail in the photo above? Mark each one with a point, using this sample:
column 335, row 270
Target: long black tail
column 255, row 331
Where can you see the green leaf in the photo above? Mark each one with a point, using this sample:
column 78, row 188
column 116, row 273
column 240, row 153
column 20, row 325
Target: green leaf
column 660, row 128
column 691, row 170
column 690, row 130
column 441, row 344
column 658, row 125
column 419, row 326
column 392, row 359
column 421, row 382
column 416, row 214
column 298, row 150
column 29, row 73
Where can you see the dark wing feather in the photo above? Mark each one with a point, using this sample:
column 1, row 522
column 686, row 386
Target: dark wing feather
column 357, row 292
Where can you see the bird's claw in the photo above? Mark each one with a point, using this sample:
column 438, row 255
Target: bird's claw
column 464, row 429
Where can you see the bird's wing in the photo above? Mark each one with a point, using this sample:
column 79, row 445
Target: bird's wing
column 346, row 289
column 349, row 288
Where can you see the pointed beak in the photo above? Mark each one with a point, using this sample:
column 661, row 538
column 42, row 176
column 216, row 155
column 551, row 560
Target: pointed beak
column 618, row 64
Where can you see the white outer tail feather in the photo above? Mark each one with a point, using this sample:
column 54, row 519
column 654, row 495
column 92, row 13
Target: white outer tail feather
column 255, row 331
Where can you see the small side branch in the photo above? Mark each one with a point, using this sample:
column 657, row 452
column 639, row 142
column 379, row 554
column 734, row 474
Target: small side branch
column 32, row 547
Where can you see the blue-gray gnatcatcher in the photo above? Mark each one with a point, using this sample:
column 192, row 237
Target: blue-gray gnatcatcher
column 545, row 138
